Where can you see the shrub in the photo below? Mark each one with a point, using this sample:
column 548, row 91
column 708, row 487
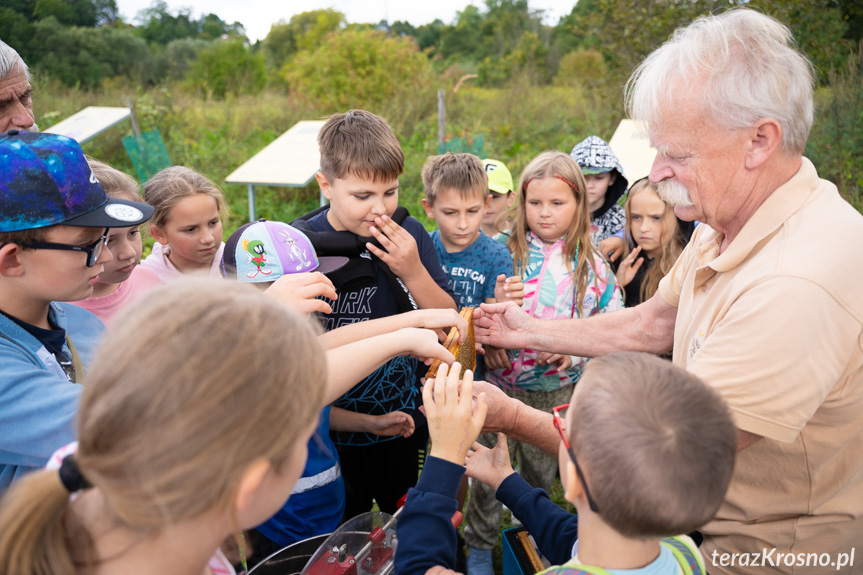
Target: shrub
column 836, row 142
column 228, row 67
column 85, row 56
column 358, row 69
column 581, row 66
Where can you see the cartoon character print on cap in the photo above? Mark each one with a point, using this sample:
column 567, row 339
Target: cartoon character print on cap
column 296, row 252
column 256, row 252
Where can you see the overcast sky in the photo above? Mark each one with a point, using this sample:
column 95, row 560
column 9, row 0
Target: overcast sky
column 258, row 15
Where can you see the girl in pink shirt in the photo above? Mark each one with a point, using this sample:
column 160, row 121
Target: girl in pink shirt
column 123, row 280
column 186, row 224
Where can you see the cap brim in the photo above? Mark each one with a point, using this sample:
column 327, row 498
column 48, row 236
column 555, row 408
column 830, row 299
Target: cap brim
column 328, row 264
column 498, row 188
column 115, row 213
column 590, row 171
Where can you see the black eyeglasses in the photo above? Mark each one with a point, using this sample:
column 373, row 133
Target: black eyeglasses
column 559, row 414
column 93, row 251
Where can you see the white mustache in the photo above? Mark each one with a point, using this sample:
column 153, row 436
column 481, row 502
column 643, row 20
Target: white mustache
column 674, row 193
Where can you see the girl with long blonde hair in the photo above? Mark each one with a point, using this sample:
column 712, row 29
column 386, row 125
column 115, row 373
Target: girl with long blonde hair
column 192, row 426
column 564, row 277
column 653, row 242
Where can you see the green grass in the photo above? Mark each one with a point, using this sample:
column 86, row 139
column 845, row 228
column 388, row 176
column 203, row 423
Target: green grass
column 215, row 137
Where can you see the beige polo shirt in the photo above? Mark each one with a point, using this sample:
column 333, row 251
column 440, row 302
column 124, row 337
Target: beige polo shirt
column 774, row 324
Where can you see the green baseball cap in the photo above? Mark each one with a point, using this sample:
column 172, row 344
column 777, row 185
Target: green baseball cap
column 499, row 178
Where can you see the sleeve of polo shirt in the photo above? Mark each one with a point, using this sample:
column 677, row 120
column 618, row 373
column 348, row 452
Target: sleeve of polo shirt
column 776, row 354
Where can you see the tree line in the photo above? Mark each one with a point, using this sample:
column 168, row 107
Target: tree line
column 83, row 42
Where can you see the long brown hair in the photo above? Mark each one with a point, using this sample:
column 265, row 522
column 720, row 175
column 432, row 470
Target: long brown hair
column 671, row 241
column 190, row 386
column 578, row 245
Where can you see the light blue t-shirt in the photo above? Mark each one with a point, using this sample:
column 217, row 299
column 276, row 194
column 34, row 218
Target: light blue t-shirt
column 472, row 272
column 665, row 564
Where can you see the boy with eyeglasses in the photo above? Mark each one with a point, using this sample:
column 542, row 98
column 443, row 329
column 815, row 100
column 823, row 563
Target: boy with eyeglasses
column 647, row 451
column 54, row 218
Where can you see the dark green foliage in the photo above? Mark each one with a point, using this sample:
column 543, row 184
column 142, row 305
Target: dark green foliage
column 159, row 26
column 16, row 31
column 177, row 57
column 836, row 142
column 87, row 56
column 304, row 31
column 228, row 67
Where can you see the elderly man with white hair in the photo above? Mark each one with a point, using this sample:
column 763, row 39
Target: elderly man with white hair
column 16, row 94
column 764, row 304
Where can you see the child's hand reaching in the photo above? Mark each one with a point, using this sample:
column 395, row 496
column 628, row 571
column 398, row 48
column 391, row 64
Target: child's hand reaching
column 437, row 319
column 453, row 423
column 424, row 345
column 400, row 251
column 629, row 267
column 611, row 248
column 509, row 288
column 563, row 362
column 490, row 466
column 392, row 423
column 496, row 358
column 300, row 292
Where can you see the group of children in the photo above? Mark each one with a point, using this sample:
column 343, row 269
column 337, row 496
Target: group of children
column 190, row 360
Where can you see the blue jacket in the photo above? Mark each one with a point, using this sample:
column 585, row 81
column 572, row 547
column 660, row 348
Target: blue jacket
column 37, row 403
column 426, row 535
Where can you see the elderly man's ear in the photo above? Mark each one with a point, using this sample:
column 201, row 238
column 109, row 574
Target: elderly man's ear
column 765, row 140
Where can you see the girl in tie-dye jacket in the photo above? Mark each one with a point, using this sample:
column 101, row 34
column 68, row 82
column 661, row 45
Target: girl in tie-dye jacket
column 564, row 277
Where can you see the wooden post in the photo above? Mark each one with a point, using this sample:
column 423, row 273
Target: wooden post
column 441, row 119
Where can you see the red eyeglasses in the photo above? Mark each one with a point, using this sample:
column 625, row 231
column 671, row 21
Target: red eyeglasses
column 559, row 414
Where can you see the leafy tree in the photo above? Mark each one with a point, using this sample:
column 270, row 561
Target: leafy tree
column 77, row 12
column 836, row 142
column 303, row 32
column 358, row 68
column 85, row 56
column 402, row 28
column 23, row 7
column 177, row 58
column 464, row 38
column 16, row 31
column 527, row 60
column 59, row 9
column 159, row 26
column 818, row 27
column 227, row 67
column 428, row 35
column 212, row 28
column 585, row 67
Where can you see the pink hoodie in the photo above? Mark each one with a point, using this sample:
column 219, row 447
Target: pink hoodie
column 158, row 263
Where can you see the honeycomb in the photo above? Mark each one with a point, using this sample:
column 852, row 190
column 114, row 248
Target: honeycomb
column 464, row 353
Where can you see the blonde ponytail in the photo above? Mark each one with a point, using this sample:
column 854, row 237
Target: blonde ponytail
column 33, row 514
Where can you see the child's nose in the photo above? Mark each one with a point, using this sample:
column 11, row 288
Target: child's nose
column 379, row 208
column 125, row 251
column 105, row 257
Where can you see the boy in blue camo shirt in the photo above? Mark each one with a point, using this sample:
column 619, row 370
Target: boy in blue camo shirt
column 456, row 198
